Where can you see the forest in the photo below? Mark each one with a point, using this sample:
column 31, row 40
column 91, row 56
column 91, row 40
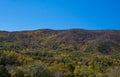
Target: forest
column 60, row 53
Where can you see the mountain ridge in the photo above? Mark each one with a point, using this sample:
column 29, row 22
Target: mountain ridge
column 104, row 41
column 60, row 29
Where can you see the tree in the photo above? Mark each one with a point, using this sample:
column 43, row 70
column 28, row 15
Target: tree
column 4, row 71
column 19, row 73
column 38, row 69
column 114, row 72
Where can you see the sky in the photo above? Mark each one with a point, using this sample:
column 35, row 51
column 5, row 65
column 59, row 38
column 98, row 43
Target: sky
column 17, row 15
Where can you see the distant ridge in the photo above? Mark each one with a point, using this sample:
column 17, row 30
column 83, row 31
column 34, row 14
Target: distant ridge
column 104, row 41
column 62, row 30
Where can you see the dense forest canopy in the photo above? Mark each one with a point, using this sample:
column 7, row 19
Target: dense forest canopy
column 60, row 53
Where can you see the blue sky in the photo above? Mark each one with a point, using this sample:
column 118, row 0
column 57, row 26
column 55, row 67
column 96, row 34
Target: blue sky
column 16, row 15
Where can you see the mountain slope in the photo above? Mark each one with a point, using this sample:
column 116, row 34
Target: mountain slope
column 104, row 41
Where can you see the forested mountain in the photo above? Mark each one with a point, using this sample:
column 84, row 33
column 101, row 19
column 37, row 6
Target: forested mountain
column 105, row 41
column 60, row 53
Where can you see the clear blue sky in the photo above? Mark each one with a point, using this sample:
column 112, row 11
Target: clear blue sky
column 59, row 14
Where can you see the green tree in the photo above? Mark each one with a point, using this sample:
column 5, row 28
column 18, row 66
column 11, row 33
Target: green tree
column 4, row 71
column 19, row 73
column 38, row 69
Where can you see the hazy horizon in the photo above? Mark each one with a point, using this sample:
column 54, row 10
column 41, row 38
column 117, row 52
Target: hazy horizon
column 57, row 29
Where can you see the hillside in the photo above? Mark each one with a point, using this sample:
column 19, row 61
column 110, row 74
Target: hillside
column 60, row 53
column 104, row 41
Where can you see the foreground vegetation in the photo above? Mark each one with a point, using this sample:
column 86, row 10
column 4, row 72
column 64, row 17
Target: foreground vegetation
column 32, row 63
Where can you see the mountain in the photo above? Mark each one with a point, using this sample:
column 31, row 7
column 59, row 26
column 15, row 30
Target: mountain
column 60, row 53
column 104, row 41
